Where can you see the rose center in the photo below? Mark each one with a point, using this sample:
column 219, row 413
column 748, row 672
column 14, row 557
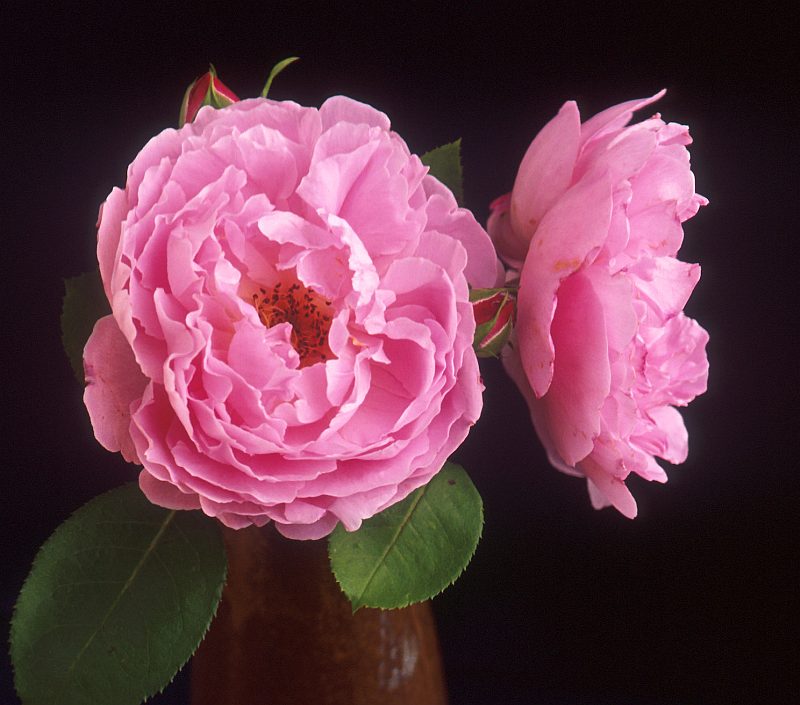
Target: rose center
column 308, row 313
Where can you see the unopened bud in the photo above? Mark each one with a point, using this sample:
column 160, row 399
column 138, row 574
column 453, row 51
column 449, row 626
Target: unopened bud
column 206, row 90
column 494, row 318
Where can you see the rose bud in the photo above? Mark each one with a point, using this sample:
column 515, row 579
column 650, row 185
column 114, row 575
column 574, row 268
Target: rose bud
column 494, row 315
column 206, row 90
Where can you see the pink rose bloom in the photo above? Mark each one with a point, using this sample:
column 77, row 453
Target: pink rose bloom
column 603, row 352
column 291, row 332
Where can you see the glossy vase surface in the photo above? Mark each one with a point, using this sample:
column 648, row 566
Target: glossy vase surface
column 285, row 634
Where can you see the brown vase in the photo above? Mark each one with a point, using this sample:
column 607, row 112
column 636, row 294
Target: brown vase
column 285, row 635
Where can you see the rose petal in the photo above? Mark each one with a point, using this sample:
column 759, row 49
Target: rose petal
column 546, row 170
column 114, row 383
column 574, row 227
column 582, row 376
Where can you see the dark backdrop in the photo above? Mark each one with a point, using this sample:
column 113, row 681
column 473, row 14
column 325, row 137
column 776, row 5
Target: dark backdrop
column 693, row 602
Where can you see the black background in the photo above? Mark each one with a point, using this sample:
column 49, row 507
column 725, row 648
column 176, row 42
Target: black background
column 693, row 602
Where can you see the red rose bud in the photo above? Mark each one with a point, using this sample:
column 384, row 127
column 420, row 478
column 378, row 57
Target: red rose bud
column 494, row 318
column 206, row 90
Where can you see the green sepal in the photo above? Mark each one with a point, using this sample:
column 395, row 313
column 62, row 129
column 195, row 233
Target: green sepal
column 185, row 104
column 280, row 66
column 83, row 305
column 414, row 549
column 445, row 164
column 213, row 97
column 117, row 600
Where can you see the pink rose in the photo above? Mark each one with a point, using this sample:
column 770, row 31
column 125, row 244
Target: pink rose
column 603, row 351
column 291, row 333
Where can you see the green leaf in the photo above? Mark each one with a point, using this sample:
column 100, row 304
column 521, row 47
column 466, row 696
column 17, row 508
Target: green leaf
column 445, row 165
column 414, row 549
column 280, row 66
column 117, row 600
column 84, row 303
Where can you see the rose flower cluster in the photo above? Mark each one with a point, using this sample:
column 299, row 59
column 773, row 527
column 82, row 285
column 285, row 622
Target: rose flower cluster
column 292, row 332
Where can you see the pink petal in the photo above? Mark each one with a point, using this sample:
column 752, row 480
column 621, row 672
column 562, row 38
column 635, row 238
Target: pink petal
column 444, row 216
column 109, row 225
column 339, row 108
column 665, row 283
column 615, row 293
column 537, row 407
column 571, row 230
column 605, row 489
column 615, row 117
column 113, row 383
column 165, row 494
column 621, row 157
column 582, row 374
column 668, row 438
column 546, row 170
column 511, row 247
column 308, row 532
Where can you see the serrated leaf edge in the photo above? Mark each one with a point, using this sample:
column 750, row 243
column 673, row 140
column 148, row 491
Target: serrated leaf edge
column 145, row 556
column 76, row 362
column 217, row 594
column 458, row 193
column 402, row 605
column 403, row 524
column 218, row 599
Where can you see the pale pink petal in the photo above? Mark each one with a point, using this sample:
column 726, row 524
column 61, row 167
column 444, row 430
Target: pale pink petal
column 308, row 532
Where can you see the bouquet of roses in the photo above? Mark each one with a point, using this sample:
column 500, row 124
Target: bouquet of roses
column 285, row 329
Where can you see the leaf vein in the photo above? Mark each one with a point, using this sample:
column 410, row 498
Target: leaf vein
column 400, row 528
column 151, row 547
